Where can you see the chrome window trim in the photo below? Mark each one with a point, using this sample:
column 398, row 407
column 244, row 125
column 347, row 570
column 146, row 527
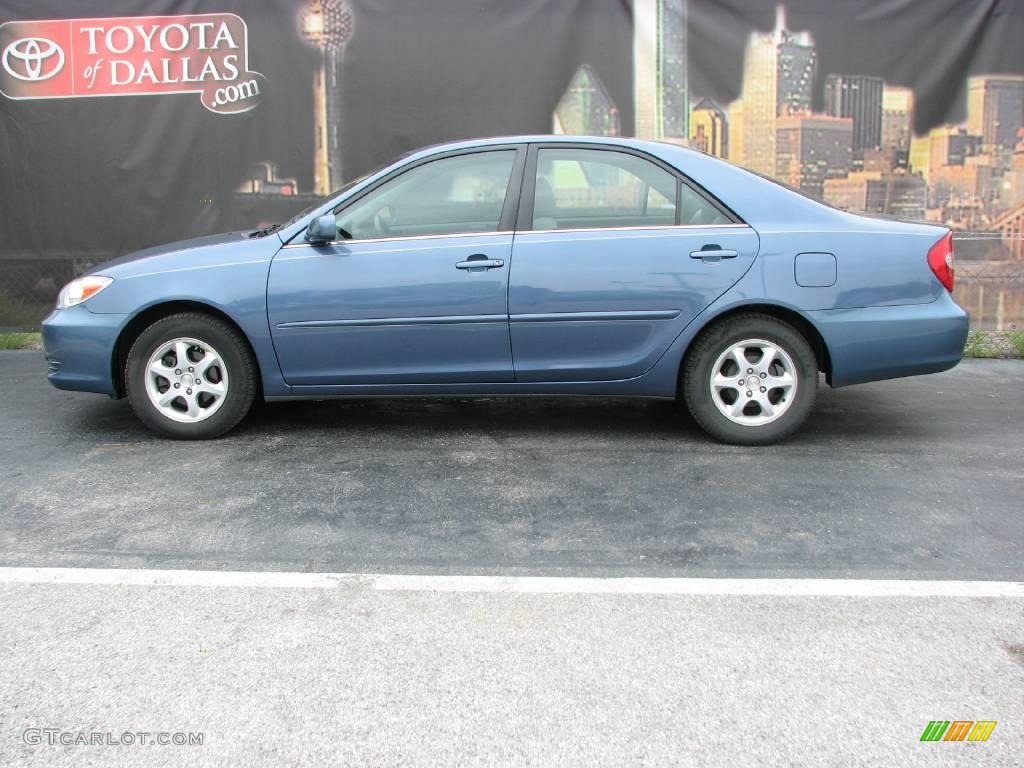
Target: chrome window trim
column 522, row 232
column 400, row 239
column 632, row 229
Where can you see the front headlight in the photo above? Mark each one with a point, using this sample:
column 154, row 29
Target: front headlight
column 81, row 289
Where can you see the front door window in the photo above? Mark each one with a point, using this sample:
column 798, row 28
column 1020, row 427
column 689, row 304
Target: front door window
column 454, row 195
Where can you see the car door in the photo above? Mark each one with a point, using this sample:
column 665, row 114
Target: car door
column 614, row 254
column 415, row 290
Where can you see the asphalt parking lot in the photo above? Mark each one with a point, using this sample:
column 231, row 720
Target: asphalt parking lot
column 918, row 479
column 913, row 478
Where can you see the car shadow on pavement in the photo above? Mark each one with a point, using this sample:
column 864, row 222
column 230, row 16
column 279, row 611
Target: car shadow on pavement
column 852, row 414
column 459, row 415
column 848, row 414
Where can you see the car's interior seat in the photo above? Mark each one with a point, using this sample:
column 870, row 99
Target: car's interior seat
column 545, row 209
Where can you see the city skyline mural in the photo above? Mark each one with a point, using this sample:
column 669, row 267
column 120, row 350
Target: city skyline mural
column 858, row 106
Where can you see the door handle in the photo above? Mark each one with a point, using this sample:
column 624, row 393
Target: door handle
column 713, row 253
column 479, row 261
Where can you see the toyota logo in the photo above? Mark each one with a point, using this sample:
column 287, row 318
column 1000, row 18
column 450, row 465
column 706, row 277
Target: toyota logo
column 40, row 59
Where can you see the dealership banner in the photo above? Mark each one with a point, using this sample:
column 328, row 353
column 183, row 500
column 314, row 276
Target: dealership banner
column 124, row 124
column 203, row 53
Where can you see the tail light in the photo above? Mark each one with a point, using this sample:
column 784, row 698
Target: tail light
column 940, row 259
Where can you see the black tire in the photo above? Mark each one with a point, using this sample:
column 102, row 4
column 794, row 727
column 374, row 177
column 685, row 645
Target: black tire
column 712, row 343
column 237, row 358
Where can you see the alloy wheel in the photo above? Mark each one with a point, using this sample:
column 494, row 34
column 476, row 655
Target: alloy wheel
column 186, row 380
column 753, row 382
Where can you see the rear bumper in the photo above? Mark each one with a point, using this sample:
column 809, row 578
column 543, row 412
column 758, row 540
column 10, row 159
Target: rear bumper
column 79, row 349
column 874, row 343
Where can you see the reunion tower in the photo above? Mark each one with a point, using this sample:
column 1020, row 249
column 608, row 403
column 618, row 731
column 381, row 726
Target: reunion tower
column 326, row 25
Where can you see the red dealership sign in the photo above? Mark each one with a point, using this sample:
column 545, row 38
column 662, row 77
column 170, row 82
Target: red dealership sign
column 200, row 53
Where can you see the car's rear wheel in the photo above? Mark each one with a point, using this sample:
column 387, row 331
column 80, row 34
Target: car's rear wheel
column 190, row 376
column 750, row 380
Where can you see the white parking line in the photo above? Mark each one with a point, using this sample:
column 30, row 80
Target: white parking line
column 518, row 584
column 687, row 586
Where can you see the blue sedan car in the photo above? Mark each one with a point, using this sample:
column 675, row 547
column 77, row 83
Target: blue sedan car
column 532, row 265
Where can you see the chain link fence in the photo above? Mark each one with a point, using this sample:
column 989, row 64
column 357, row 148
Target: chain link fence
column 995, row 344
column 993, row 292
column 29, row 288
column 990, row 279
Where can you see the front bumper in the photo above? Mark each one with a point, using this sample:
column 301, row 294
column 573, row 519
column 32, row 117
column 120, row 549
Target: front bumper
column 79, row 349
column 875, row 343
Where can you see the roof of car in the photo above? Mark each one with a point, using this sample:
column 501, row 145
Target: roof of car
column 756, row 200
column 654, row 147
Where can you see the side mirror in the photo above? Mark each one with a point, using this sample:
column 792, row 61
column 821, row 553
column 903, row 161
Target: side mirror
column 322, row 229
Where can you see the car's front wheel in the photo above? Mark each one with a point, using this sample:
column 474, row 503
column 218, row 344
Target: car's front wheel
column 190, row 376
column 750, row 380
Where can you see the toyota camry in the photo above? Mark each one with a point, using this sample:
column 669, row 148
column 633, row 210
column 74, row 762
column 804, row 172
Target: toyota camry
column 510, row 266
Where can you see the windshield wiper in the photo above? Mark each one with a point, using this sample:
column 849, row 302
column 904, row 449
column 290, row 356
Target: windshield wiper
column 265, row 231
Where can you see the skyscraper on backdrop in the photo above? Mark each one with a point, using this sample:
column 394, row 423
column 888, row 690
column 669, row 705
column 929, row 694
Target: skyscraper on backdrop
column 897, row 121
column 709, row 128
column 811, row 149
column 858, row 97
column 586, row 108
column 995, row 109
column 660, row 81
column 778, row 78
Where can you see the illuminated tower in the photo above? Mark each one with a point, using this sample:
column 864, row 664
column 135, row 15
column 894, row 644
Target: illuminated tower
column 660, row 85
column 326, row 25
